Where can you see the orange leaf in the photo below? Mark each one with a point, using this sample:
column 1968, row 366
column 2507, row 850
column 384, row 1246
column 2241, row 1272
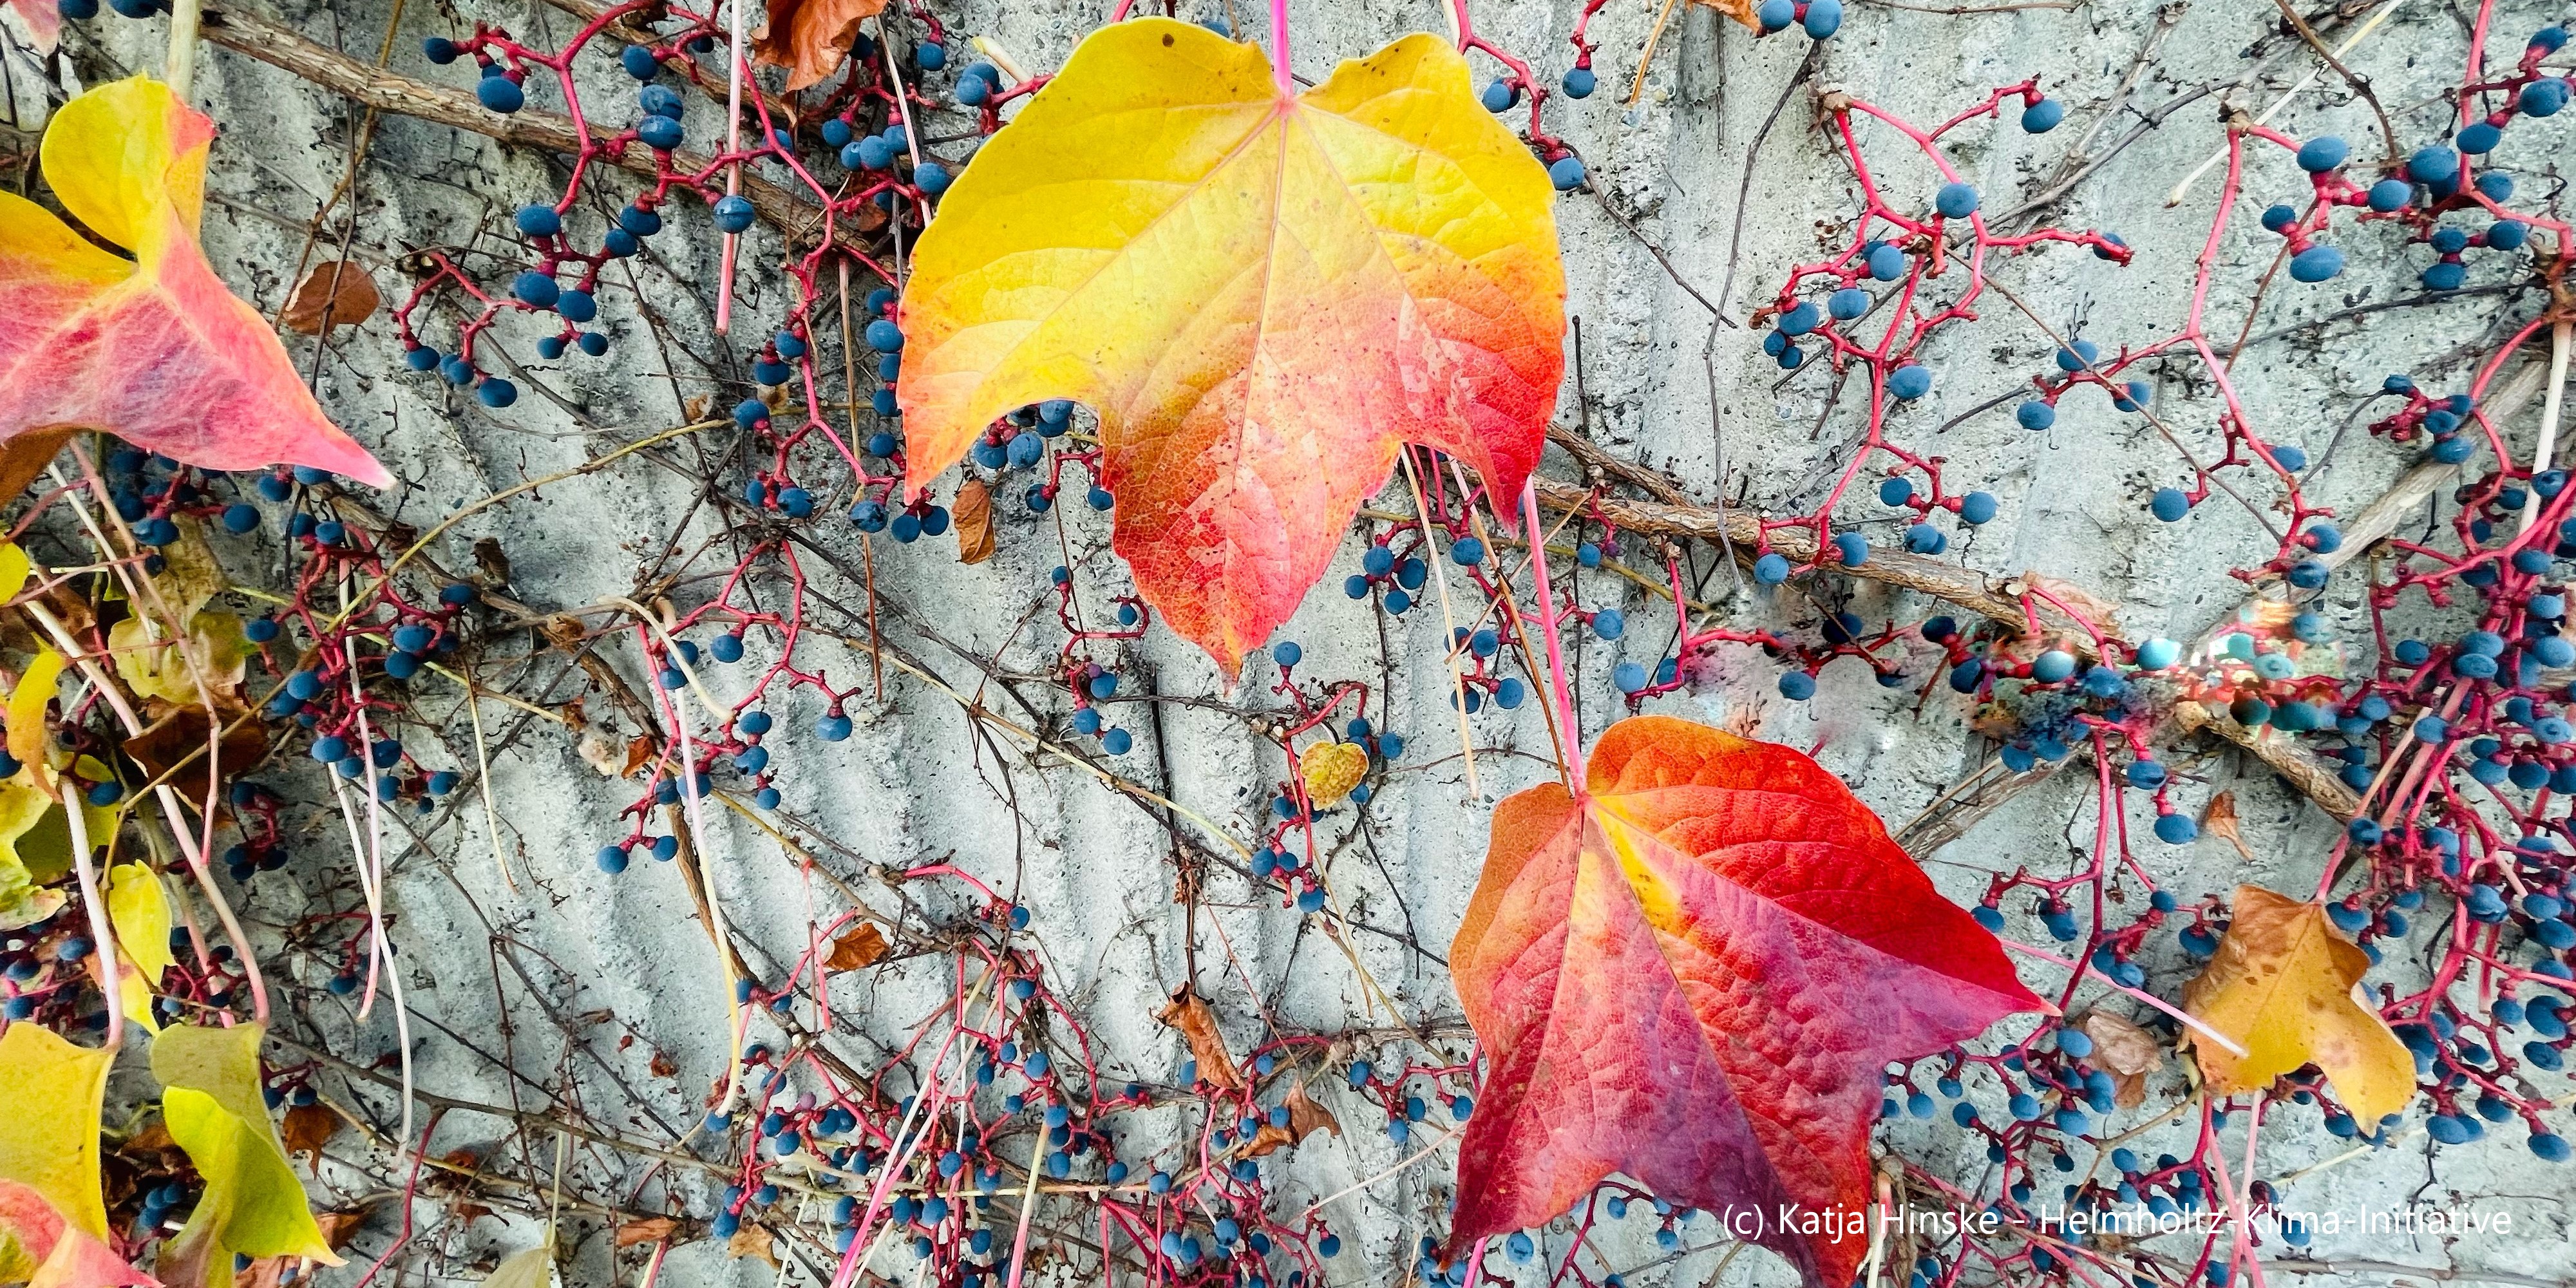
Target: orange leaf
column 752, row 1241
column 307, row 1129
column 810, row 37
column 646, row 1229
column 1740, row 10
column 1261, row 295
column 2130, row 1053
column 2281, row 986
column 1197, row 1024
column 1696, row 974
column 973, row 512
column 156, row 351
column 1305, row 1118
column 335, row 293
column 858, row 948
column 58, row 1253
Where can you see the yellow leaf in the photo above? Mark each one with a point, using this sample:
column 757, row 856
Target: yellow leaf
column 534, row 1268
column 157, row 671
column 2281, row 986
column 1332, row 770
column 1260, row 294
column 139, row 909
column 23, row 901
column 253, row 1205
column 49, row 1132
column 27, row 704
column 14, row 568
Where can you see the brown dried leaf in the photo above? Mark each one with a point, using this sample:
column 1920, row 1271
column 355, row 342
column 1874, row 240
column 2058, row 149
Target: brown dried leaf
column 639, row 753
column 1739, row 10
column 646, row 1229
column 664, row 1066
column 810, row 38
column 26, row 456
column 306, row 1130
column 858, row 948
column 1197, row 1024
column 2218, row 819
column 335, row 293
column 266, row 1272
column 973, row 514
column 2102, row 614
column 1305, row 1118
column 178, row 734
column 339, row 1227
column 2130, row 1053
column 752, row 1241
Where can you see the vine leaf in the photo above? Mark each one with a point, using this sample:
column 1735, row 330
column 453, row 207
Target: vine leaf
column 40, row 1249
column 534, row 1268
column 810, row 38
column 1696, row 973
column 1261, row 296
column 2281, row 985
column 155, row 350
column 49, row 1136
column 139, row 908
column 253, row 1205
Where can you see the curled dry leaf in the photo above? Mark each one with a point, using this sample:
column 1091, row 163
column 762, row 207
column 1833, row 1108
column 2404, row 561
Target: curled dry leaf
column 973, row 514
column 340, row 1227
column 1305, row 1117
column 306, row 1130
column 810, row 38
column 646, row 1229
column 2130, row 1053
column 858, row 948
column 2281, row 985
column 752, row 1241
column 2219, row 819
column 336, row 293
column 1332, row 770
column 1188, row 1013
column 1740, row 10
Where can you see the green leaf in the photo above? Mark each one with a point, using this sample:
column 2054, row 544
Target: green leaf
column 253, row 1205
column 49, row 1134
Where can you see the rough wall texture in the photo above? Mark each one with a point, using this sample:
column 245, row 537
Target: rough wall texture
column 525, row 996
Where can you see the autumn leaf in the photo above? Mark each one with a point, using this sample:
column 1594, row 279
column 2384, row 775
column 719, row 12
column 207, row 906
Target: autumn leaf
column 752, row 1240
column 1697, row 973
column 646, row 1229
column 1740, row 10
column 44, row 19
column 2281, row 986
column 2219, row 819
column 1189, row 1013
column 1332, row 769
column 49, row 1136
column 810, row 38
column 1305, row 1118
column 1262, row 297
column 157, row 350
column 39, row 1249
column 2128, row 1052
column 334, row 293
column 858, row 948
column 138, row 907
column 973, row 514
column 306, row 1130
column 253, row 1204
column 534, row 1268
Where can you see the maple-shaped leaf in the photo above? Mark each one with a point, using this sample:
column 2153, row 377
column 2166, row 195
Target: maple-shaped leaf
column 1261, row 296
column 1696, row 974
column 39, row 1249
column 155, row 350
column 810, row 38
column 2281, row 986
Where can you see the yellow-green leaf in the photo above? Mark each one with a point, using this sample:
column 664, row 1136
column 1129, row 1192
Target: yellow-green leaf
column 534, row 1268
column 23, row 900
column 139, row 908
column 27, row 703
column 253, row 1205
column 158, row 671
column 49, row 1130
column 2281, row 986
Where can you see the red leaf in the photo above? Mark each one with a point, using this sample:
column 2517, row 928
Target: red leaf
column 156, row 351
column 1696, row 975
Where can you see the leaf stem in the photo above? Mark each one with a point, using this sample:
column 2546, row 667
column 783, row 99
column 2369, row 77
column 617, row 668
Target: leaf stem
column 1279, row 49
column 1561, row 694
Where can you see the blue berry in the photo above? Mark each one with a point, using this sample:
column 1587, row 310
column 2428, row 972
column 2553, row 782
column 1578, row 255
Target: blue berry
column 1976, row 508
column 1771, row 569
column 1956, row 201
column 501, row 94
column 1579, row 83
column 931, row 177
column 1797, row 686
column 734, row 213
column 2035, row 415
column 2042, row 116
column 1628, row 677
column 2170, row 504
column 536, row 289
column 1499, row 96
column 2323, row 153
column 1824, row 18
column 2316, row 264
column 1887, row 262
column 1913, row 380
column 1566, row 172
